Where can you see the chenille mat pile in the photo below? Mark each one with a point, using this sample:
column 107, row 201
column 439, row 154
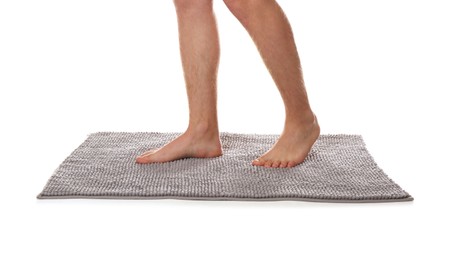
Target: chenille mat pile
column 338, row 169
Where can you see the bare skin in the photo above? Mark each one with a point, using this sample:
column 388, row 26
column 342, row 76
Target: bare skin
column 200, row 52
column 270, row 30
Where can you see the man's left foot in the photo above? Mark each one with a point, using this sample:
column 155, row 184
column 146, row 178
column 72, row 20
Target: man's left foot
column 292, row 147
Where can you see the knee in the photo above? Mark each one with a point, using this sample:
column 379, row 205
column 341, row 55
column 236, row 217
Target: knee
column 192, row 5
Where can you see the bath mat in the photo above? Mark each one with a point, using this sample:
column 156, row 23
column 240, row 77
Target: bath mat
column 338, row 169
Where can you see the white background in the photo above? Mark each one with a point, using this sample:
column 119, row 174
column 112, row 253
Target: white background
column 381, row 69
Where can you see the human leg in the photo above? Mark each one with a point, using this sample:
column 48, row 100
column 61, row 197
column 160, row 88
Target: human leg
column 270, row 30
column 200, row 50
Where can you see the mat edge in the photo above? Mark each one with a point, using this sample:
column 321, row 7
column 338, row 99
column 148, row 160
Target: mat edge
column 44, row 197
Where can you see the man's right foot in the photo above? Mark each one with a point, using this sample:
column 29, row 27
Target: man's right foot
column 191, row 144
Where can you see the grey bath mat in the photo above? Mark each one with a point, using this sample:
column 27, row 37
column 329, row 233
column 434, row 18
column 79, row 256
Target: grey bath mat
column 338, row 169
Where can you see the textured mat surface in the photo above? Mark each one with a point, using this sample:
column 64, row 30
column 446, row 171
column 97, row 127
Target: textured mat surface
column 338, row 169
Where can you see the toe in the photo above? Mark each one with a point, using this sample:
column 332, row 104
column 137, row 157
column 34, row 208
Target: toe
column 291, row 164
column 276, row 164
column 140, row 160
column 258, row 162
column 268, row 163
column 145, row 158
column 283, row 165
column 148, row 152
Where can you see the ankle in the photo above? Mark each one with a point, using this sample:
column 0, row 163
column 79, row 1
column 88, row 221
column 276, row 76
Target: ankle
column 203, row 130
column 305, row 118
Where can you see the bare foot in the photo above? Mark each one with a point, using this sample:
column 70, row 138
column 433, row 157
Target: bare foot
column 195, row 144
column 292, row 146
